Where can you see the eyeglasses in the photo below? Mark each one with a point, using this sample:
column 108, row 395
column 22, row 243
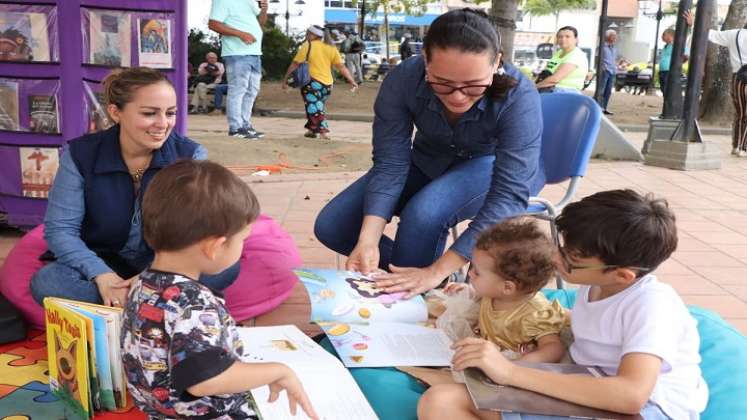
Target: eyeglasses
column 568, row 266
column 468, row 90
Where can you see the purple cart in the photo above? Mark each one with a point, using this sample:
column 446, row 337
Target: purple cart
column 53, row 54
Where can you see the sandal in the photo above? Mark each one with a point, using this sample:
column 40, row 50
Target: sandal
column 310, row 134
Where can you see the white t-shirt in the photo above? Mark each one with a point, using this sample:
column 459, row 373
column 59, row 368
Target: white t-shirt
column 647, row 317
column 728, row 39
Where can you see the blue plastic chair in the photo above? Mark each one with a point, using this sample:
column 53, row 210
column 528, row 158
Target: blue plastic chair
column 570, row 127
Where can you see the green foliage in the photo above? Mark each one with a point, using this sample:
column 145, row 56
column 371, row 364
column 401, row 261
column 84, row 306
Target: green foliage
column 554, row 7
column 277, row 53
column 200, row 43
column 410, row 7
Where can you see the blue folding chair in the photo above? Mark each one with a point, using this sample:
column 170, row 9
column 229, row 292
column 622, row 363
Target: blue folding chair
column 570, row 127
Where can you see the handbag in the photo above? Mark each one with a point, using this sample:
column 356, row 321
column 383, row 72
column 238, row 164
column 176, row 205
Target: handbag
column 742, row 72
column 300, row 77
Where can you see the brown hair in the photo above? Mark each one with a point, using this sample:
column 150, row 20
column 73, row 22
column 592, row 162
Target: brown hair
column 620, row 227
column 523, row 253
column 121, row 84
column 191, row 200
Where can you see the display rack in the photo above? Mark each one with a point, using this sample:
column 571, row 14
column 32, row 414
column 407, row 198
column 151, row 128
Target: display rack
column 53, row 56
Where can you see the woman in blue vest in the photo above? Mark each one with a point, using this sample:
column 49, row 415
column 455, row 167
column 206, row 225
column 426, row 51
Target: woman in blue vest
column 93, row 222
column 475, row 156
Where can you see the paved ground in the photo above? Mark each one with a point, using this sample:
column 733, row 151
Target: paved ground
column 709, row 269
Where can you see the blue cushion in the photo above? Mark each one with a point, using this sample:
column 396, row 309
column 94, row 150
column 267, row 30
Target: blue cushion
column 394, row 394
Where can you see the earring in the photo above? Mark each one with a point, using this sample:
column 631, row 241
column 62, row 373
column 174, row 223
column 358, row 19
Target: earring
column 500, row 71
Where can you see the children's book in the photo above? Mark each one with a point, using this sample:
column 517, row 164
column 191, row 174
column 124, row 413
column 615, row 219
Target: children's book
column 487, row 395
column 8, row 105
column 371, row 328
column 109, row 38
column 38, row 168
column 333, row 393
column 154, row 46
column 43, row 113
column 99, row 368
column 23, row 36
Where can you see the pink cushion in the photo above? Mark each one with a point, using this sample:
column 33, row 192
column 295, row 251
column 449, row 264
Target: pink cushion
column 266, row 278
column 15, row 275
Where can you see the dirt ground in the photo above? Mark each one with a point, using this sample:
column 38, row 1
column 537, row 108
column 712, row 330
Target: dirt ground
column 285, row 148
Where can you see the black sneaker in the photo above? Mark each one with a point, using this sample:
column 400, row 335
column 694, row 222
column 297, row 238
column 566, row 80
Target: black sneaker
column 251, row 135
column 254, row 132
column 241, row 132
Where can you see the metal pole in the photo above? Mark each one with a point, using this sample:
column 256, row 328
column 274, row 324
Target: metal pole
column 688, row 129
column 673, row 98
column 362, row 24
column 287, row 17
column 386, row 29
column 652, row 85
column 602, row 29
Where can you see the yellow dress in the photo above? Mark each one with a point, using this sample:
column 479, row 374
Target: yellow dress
column 529, row 322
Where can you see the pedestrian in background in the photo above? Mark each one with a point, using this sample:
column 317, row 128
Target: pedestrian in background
column 405, row 49
column 352, row 48
column 210, row 74
column 608, row 70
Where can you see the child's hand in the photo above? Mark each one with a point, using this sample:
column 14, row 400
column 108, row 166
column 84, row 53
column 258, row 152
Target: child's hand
column 482, row 354
column 453, row 288
column 296, row 394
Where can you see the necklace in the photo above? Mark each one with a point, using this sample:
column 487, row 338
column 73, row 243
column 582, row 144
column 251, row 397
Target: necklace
column 137, row 176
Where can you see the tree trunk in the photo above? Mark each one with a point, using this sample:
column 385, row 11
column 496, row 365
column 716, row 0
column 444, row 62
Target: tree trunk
column 503, row 14
column 715, row 105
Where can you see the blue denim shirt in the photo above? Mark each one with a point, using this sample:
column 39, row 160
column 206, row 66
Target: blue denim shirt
column 65, row 211
column 509, row 128
column 609, row 58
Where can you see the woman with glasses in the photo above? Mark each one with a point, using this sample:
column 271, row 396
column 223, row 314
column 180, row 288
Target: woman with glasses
column 475, row 155
column 568, row 66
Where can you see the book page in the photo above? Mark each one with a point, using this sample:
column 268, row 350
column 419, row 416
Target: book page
column 345, row 296
column 389, row 344
column 332, row 391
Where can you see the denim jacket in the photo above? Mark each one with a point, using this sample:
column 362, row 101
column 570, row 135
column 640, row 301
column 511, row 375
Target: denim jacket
column 509, row 128
column 64, row 216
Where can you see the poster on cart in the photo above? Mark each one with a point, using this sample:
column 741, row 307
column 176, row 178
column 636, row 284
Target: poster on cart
column 153, row 40
column 38, row 168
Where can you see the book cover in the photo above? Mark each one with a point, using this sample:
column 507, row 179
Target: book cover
column 153, row 40
column 113, row 318
column 487, row 395
column 38, row 168
column 8, row 105
column 67, row 346
column 371, row 328
column 109, row 38
column 98, row 119
column 43, row 114
column 23, row 36
column 318, row 371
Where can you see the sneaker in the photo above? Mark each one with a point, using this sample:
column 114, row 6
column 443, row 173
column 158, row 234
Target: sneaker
column 252, row 135
column 254, row 132
column 608, row 113
column 735, row 151
column 309, row 134
column 241, row 132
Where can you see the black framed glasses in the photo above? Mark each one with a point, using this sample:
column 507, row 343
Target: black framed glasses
column 468, row 90
column 568, row 265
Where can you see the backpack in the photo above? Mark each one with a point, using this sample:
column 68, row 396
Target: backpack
column 357, row 46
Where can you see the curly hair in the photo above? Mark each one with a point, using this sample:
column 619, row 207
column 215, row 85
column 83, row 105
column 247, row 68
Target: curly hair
column 523, row 253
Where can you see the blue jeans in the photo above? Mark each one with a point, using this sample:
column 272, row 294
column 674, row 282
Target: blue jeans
column 59, row 280
column 244, row 75
column 427, row 208
column 219, row 91
column 606, row 81
column 650, row 411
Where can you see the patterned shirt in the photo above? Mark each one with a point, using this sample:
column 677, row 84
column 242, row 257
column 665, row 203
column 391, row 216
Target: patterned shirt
column 176, row 334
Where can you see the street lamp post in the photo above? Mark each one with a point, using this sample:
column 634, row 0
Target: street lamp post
column 651, row 87
column 287, row 13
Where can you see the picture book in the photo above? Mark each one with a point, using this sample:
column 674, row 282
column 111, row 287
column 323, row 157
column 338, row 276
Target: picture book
column 371, row 328
column 487, row 395
column 109, row 38
column 87, row 372
column 43, row 114
column 153, row 40
column 23, row 36
column 8, row 105
column 319, row 372
column 68, row 353
column 38, row 168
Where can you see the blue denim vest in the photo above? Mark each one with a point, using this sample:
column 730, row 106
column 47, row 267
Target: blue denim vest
column 109, row 190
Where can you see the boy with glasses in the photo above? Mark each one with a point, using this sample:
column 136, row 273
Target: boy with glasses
column 624, row 321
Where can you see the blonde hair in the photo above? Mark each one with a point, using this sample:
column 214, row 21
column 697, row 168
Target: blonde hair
column 120, row 85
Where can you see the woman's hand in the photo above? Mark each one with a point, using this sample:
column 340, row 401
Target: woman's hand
column 484, row 355
column 411, row 280
column 113, row 289
column 364, row 258
column 453, row 288
column 296, row 394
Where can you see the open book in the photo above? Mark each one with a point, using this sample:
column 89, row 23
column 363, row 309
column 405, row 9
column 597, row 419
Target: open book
column 370, row 328
column 85, row 364
column 487, row 395
column 332, row 391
